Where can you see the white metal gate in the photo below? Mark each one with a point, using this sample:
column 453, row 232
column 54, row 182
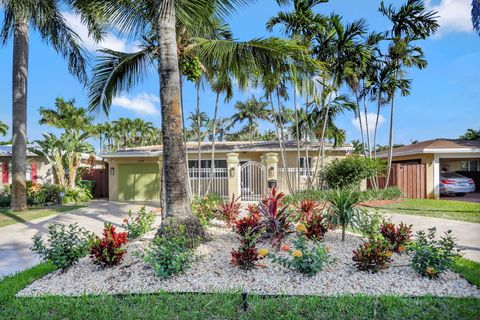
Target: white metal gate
column 253, row 181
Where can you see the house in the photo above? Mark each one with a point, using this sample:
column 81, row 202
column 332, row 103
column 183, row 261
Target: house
column 425, row 161
column 242, row 168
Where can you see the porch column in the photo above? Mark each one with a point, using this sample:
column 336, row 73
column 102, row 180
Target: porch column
column 271, row 162
column 436, row 177
column 233, row 175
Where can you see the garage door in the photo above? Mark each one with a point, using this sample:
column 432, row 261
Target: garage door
column 138, row 182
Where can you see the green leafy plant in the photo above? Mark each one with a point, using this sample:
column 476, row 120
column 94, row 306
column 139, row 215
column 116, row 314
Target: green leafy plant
column 398, row 237
column 390, row 193
column 229, row 211
column 368, row 222
column 139, row 224
column 170, row 254
column 310, row 194
column 77, row 194
column 373, row 255
column 350, row 171
column 36, row 194
column 430, row 257
column 109, row 250
column 302, row 258
column 343, row 204
column 65, row 244
column 205, row 207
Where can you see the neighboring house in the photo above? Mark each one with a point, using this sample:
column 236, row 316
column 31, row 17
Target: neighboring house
column 435, row 156
column 242, row 168
column 38, row 169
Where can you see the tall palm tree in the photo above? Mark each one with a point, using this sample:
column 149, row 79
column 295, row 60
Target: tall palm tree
column 250, row 111
column 46, row 18
column 66, row 116
column 411, row 22
column 159, row 19
column 471, row 134
column 3, row 128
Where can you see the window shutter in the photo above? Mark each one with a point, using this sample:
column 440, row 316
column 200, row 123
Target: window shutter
column 5, row 172
column 33, row 171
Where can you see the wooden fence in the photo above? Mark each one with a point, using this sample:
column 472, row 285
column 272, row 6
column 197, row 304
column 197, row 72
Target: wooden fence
column 100, row 176
column 410, row 178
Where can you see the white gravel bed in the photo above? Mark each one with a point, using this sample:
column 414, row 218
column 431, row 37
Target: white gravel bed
column 212, row 272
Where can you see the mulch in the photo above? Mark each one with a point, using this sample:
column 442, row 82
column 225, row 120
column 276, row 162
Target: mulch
column 379, row 203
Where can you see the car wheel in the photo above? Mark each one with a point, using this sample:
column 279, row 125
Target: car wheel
column 460, row 194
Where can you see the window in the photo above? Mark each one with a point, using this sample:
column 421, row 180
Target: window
column 205, row 166
column 471, row 165
column 305, row 166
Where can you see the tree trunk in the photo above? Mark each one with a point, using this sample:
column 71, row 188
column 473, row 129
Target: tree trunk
column 199, row 141
column 360, row 122
column 212, row 168
column 19, row 114
column 177, row 203
column 390, row 142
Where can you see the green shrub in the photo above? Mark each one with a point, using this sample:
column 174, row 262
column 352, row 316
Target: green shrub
column 77, row 194
column 430, row 256
column 368, row 222
column 343, row 205
column 65, row 244
column 205, row 207
column 5, row 197
column 391, row 193
column 169, row 255
column 311, row 194
column 373, row 255
column 350, row 171
column 303, row 259
column 139, row 224
column 36, row 194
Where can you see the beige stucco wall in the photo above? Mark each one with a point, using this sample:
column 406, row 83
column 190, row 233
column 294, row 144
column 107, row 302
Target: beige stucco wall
column 44, row 170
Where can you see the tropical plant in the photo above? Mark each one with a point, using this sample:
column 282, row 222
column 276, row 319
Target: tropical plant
column 249, row 230
column 373, row 255
column 274, row 216
column 470, row 134
column 66, row 116
column 3, row 129
column 229, row 210
column 398, row 237
column 205, row 208
column 45, row 17
column 314, row 217
column 250, row 111
column 476, row 15
column 368, row 222
column 411, row 22
column 343, row 205
column 303, row 259
column 109, row 250
column 431, row 256
column 64, row 246
column 350, row 171
column 139, row 224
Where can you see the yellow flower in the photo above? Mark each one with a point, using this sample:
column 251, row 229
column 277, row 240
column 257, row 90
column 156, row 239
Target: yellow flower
column 263, row 252
column 301, row 228
column 431, row 271
column 388, row 254
column 297, row 253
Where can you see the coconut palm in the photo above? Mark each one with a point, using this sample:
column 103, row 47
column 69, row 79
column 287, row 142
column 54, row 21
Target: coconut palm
column 3, row 128
column 476, row 15
column 250, row 111
column 161, row 20
column 46, row 18
column 66, row 116
column 471, row 134
column 411, row 22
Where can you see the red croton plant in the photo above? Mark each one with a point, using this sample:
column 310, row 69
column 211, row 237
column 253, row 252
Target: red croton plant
column 229, row 210
column 109, row 250
column 275, row 216
column 397, row 236
column 248, row 229
column 313, row 217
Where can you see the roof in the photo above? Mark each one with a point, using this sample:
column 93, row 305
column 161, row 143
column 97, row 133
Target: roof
column 6, row 151
column 435, row 146
column 223, row 146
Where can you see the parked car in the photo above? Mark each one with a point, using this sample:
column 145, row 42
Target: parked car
column 454, row 183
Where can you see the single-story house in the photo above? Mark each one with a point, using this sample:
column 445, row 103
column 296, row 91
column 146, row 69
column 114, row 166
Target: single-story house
column 436, row 156
column 242, row 168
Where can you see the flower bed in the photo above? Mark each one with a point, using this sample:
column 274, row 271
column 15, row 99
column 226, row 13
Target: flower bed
column 212, row 272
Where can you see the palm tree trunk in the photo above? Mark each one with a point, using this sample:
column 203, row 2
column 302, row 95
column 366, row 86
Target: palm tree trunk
column 390, row 142
column 367, row 130
column 199, row 142
column 174, row 158
column 298, row 138
column 212, row 168
column 379, row 105
column 360, row 122
column 184, row 135
column 19, row 114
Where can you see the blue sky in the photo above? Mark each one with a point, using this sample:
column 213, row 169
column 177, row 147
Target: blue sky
column 445, row 98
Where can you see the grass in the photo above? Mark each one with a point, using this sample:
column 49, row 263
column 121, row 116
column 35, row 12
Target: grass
column 468, row 269
column 222, row 305
column 8, row 217
column 447, row 209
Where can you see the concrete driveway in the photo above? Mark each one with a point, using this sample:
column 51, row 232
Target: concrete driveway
column 467, row 234
column 16, row 239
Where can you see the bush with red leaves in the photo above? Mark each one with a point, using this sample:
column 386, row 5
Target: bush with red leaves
column 248, row 229
column 109, row 250
column 397, row 236
column 229, row 210
column 275, row 216
column 313, row 217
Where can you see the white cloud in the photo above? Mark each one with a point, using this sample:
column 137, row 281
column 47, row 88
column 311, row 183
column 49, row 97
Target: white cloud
column 143, row 103
column 371, row 118
column 454, row 15
column 110, row 41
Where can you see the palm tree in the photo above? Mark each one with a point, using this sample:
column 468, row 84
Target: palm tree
column 3, row 128
column 411, row 22
column 250, row 111
column 471, row 134
column 119, row 71
column 46, row 18
column 66, row 116
column 476, row 15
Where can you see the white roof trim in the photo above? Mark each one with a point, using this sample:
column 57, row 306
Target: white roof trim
column 424, row 151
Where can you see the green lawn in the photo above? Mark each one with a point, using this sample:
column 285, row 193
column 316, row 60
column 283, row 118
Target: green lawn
column 469, row 269
column 223, row 306
column 8, row 217
column 447, row 209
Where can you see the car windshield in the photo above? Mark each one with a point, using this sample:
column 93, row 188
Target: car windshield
column 451, row 175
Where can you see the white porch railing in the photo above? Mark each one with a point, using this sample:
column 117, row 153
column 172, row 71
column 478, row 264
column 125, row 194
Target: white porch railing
column 200, row 180
column 293, row 173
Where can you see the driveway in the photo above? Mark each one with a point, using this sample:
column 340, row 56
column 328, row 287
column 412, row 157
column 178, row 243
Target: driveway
column 467, row 234
column 16, row 239
column 469, row 197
